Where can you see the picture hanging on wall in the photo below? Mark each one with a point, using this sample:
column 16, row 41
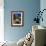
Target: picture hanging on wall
column 17, row 18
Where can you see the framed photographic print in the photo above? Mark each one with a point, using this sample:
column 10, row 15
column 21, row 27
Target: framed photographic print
column 17, row 18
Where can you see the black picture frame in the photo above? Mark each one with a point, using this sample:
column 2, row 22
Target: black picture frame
column 17, row 18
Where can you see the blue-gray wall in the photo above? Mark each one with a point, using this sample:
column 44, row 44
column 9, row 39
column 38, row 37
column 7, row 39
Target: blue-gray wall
column 30, row 7
column 43, row 6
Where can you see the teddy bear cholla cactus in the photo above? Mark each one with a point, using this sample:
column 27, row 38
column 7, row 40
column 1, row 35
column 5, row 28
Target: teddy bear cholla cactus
column 28, row 40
